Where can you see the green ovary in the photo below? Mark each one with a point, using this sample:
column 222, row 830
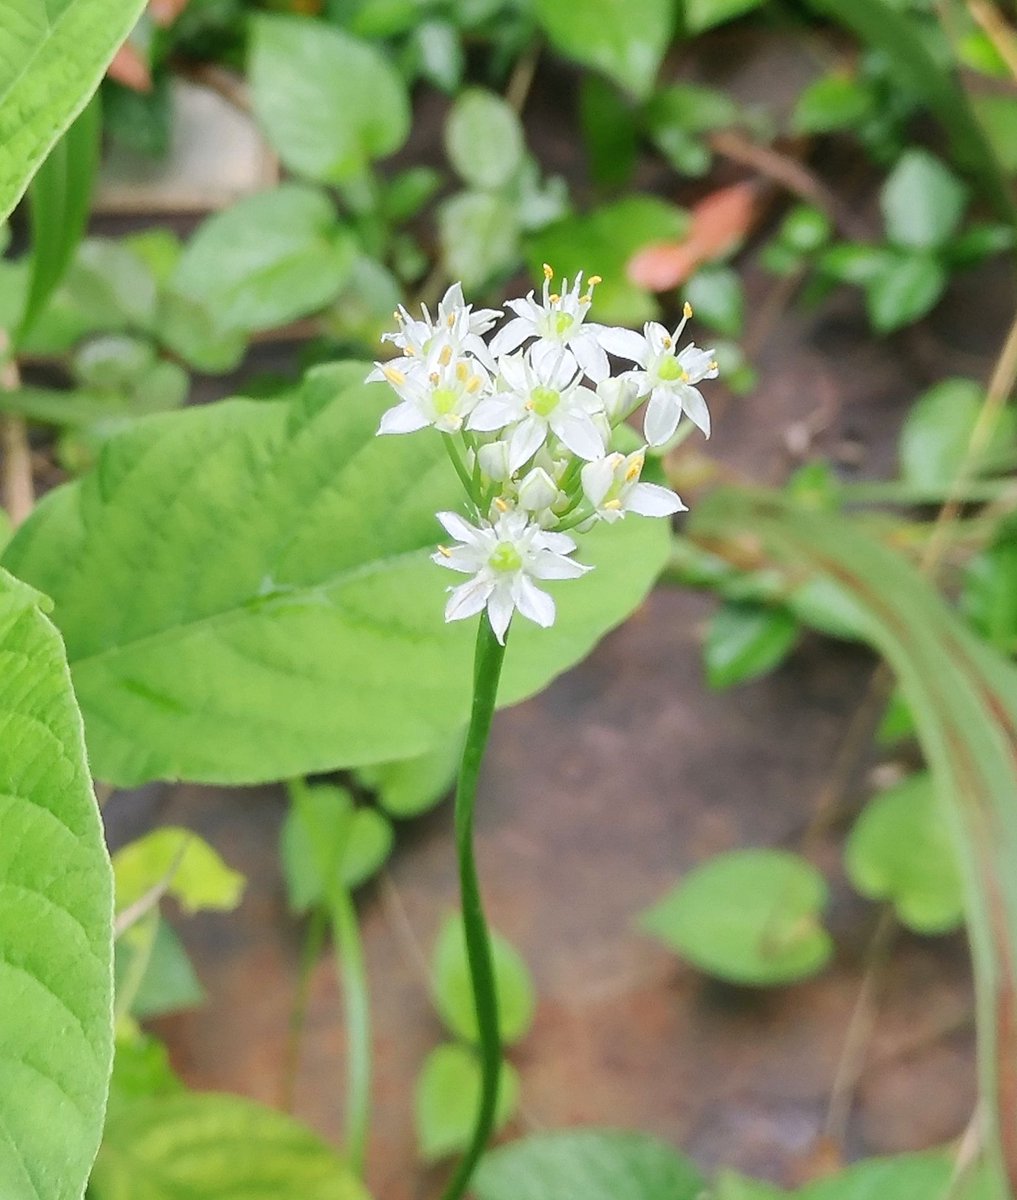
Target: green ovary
column 505, row 558
column 669, row 369
column 563, row 322
column 444, row 400
column 544, row 400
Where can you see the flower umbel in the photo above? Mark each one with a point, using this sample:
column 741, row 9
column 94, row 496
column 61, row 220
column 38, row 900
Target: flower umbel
column 534, row 423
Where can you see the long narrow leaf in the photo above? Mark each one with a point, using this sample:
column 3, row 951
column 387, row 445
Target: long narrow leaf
column 59, row 201
column 884, row 26
column 964, row 700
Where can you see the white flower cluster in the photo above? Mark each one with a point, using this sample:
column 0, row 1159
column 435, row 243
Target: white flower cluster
column 528, row 420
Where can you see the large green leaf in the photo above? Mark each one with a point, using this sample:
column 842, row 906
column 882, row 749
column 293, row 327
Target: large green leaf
column 625, row 39
column 267, row 260
column 328, row 102
column 963, row 697
column 56, row 917
column 246, row 591
column 190, row 1146
column 587, row 1164
column 52, row 56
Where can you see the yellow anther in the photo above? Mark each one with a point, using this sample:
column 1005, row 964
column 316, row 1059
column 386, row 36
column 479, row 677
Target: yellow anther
column 445, row 357
column 474, row 383
column 665, row 341
column 500, row 504
column 548, row 272
column 394, row 375
column 594, row 280
column 528, row 406
column 409, row 351
column 450, row 320
column 634, row 471
column 714, row 365
column 554, row 298
column 398, row 316
column 614, row 505
column 444, row 551
column 687, row 310
column 435, row 378
column 462, row 371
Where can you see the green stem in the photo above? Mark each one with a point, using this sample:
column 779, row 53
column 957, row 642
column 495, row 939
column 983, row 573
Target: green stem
column 460, row 466
column 353, row 976
column 486, row 671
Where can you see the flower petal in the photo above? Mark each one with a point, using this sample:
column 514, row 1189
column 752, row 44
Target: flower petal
column 590, row 355
column 468, row 599
column 495, row 412
column 527, row 438
column 662, row 415
column 545, row 564
column 459, row 528
column 578, row 432
column 511, row 336
column 623, row 343
column 694, row 406
column 535, row 605
column 499, row 610
column 597, row 477
column 404, row 418
column 652, row 500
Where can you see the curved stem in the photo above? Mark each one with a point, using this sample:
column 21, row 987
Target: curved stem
column 486, row 671
column 350, row 954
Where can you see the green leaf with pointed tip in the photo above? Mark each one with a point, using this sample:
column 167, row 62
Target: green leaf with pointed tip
column 273, row 257
column 745, row 641
column 56, row 936
column 152, row 963
column 626, row 39
column 288, row 619
column 53, row 56
column 453, row 993
column 905, row 289
column 900, row 850
column 922, row 202
column 192, row 871
column 194, row 1146
column 329, row 103
column 587, row 1164
column 446, row 1097
column 749, row 916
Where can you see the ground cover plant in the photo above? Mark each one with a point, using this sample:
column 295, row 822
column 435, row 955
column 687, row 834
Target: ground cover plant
column 300, row 491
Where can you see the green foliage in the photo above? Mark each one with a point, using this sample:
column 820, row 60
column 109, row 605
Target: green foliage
column 293, row 649
column 715, row 293
column 329, row 103
column 56, row 938
column 446, row 1098
column 906, row 289
column 601, row 243
column 900, row 850
column 904, row 1177
column 453, row 997
column 59, row 198
column 833, row 102
column 625, row 39
column 748, row 916
column 54, row 57
column 609, row 132
column 187, row 866
column 587, row 1164
column 922, row 202
column 410, row 786
column 153, row 974
column 271, row 258
column 327, row 840
column 745, row 641
column 937, row 432
column 963, row 697
column 208, row 1147
column 730, row 1186
column 484, row 139
column 677, row 116
column 479, row 234
column 989, row 598
column 699, row 15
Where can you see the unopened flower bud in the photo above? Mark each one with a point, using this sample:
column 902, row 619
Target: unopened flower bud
column 537, row 491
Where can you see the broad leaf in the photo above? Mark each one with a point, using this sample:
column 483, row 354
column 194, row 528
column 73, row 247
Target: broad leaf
column 730, row 1186
column 904, row 290
column 453, row 993
column 479, row 234
column 704, row 14
column 936, row 433
column 963, row 697
column 411, row 786
column 184, row 864
column 56, row 937
column 191, row 1146
column 484, row 139
column 329, row 103
column 587, row 1164
column 53, row 56
column 446, row 1097
column 900, row 850
column 716, row 296
column 922, row 201
column 749, row 916
column 902, row 1177
column 259, row 601
column 269, row 259
column 745, row 641
column 626, row 39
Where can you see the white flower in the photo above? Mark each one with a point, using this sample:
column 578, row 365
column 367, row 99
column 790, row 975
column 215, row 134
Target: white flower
column 668, row 376
column 537, row 491
column 441, row 392
column 494, row 461
column 455, row 324
column 504, row 560
column 536, row 393
column 557, row 320
column 612, row 486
